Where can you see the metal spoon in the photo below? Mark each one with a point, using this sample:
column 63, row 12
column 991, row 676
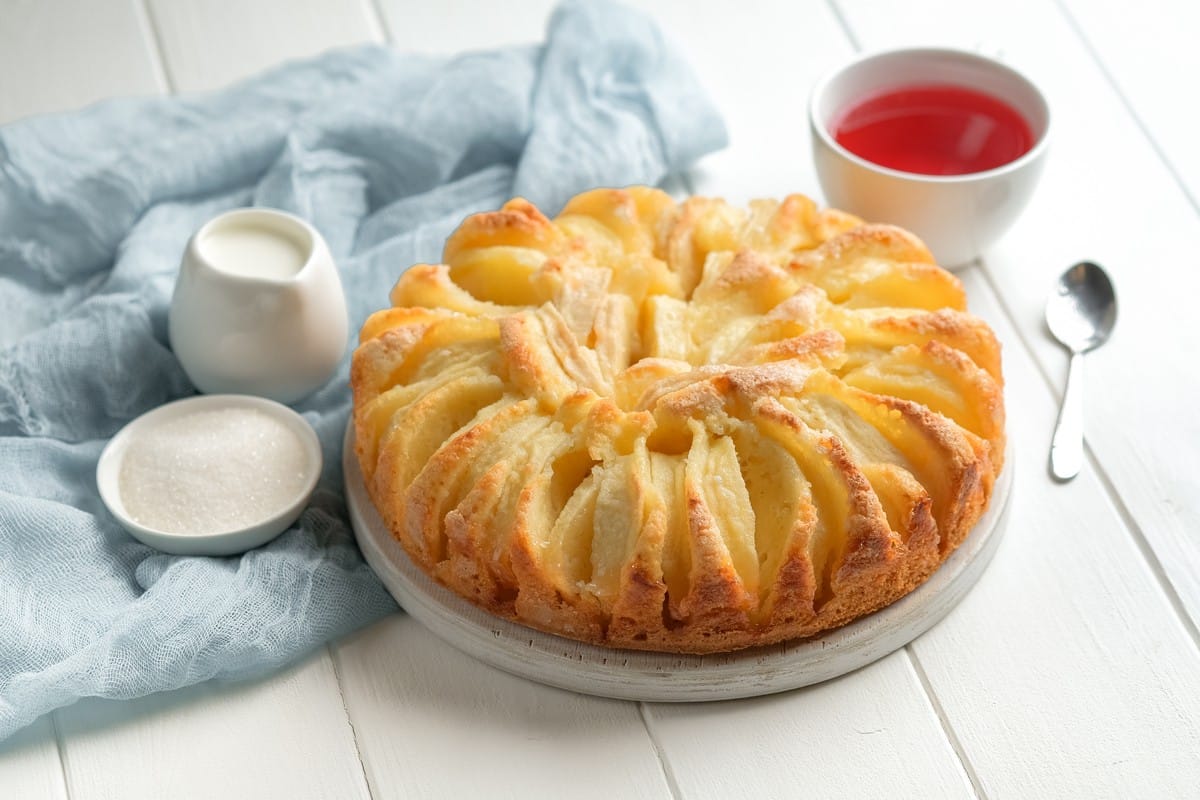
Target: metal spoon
column 1081, row 314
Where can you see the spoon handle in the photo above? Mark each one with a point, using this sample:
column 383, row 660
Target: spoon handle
column 1066, row 448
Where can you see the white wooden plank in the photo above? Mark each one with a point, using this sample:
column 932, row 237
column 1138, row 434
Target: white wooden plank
column 285, row 736
column 207, row 44
column 758, row 59
column 451, row 26
column 1066, row 671
column 1105, row 196
column 59, row 54
column 432, row 722
column 29, row 764
column 1148, row 48
column 815, row 742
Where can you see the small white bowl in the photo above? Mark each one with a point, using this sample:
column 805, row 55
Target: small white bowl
column 221, row 543
column 957, row 216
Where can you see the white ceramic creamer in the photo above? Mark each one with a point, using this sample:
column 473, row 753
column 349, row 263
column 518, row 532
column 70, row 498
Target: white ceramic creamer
column 258, row 307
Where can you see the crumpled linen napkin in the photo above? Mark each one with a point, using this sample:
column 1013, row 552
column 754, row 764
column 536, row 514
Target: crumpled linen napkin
column 385, row 153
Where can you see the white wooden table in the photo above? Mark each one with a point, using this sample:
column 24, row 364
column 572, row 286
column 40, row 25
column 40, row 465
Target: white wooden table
column 1073, row 668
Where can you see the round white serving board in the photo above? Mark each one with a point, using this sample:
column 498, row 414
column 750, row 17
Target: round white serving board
column 665, row 677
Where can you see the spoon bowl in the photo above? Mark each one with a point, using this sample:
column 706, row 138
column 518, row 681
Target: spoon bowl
column 1082, row 312
column 1081, row 315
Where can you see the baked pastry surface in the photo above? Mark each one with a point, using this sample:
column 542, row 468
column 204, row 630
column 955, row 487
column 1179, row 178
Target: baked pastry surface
column 685, row 427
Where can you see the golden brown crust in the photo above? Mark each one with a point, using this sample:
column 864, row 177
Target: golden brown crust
column 689, row 428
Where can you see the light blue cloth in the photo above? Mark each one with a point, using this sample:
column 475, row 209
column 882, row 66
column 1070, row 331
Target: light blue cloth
column 384, row 153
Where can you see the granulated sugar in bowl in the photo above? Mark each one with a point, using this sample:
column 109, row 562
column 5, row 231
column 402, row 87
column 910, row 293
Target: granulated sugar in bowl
column 210, row 475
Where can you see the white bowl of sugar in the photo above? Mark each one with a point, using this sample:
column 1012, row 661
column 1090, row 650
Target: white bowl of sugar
column 210, row 475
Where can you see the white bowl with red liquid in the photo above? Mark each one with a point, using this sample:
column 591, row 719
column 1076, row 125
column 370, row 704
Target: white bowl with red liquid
column 945, row 143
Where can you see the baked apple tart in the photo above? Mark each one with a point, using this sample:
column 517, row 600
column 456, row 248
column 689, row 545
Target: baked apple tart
column 686, row 427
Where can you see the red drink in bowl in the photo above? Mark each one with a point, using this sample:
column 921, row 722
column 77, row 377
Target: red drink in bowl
column 937, row 129
column 945, row 143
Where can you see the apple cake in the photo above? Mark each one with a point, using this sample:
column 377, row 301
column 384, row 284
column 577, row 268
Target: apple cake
column 688, row 427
